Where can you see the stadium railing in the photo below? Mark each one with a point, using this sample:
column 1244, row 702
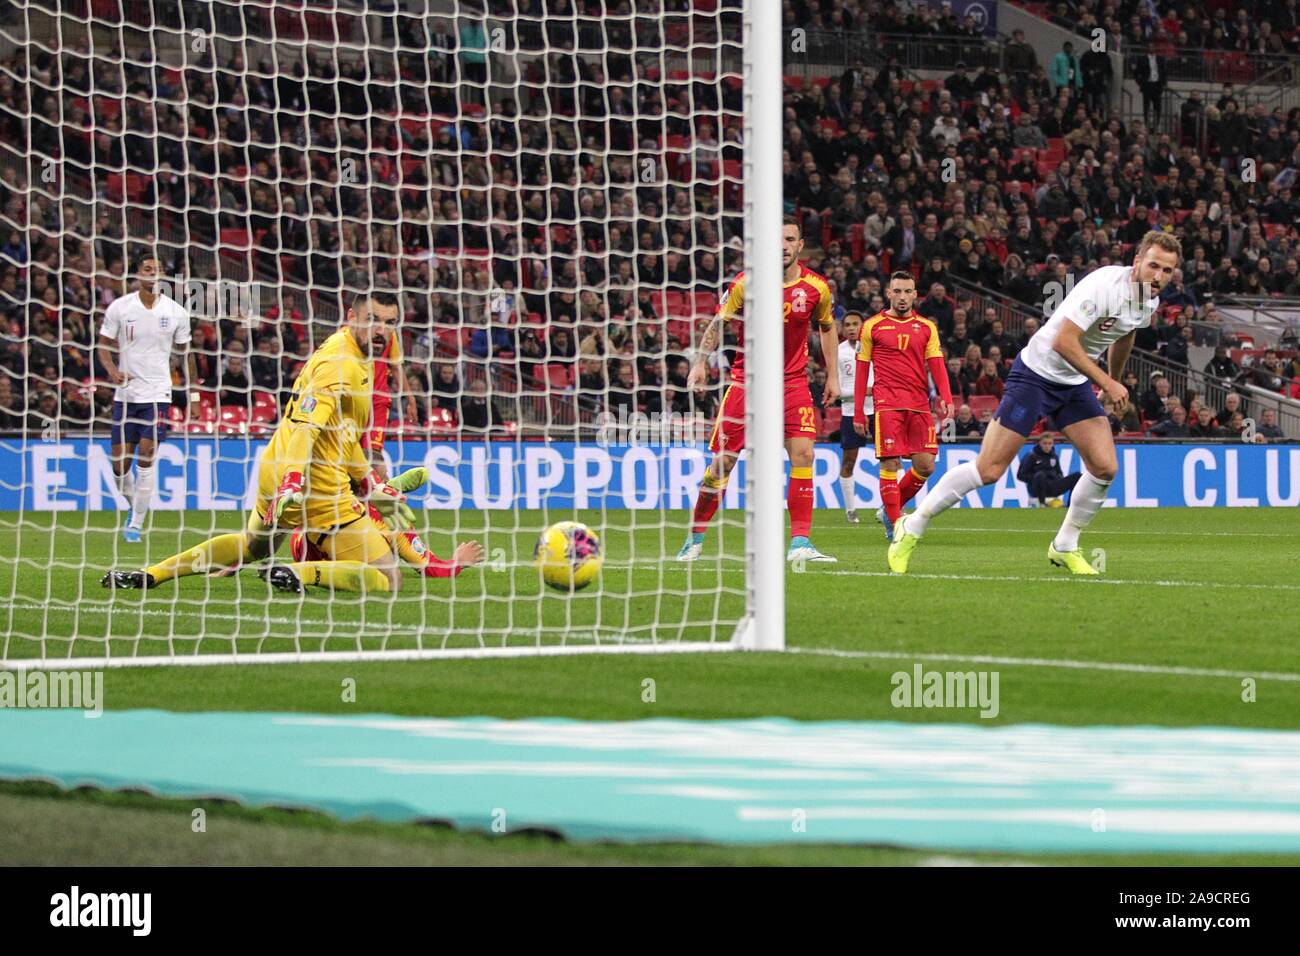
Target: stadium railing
column 1217, row 66
column 843, row 49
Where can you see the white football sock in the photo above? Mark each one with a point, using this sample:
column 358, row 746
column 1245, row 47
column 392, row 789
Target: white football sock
column 143, row 495
column 846, row 489
column 955, row 485
column 1085, row 501
column 126, row 486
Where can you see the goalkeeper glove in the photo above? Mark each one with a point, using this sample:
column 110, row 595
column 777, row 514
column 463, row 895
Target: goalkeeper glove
column 389, row 497
column 288, row 495
column 386, row 499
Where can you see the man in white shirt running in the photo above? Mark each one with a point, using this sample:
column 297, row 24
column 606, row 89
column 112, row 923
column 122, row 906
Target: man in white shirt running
column 1053, row 375
column 136, row 342
column 850, row 441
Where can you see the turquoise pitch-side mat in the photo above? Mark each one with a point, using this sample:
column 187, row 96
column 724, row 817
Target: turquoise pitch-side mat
column 1017, row 788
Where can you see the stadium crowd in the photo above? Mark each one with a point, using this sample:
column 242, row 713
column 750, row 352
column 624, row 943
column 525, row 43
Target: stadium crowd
column 537, row 258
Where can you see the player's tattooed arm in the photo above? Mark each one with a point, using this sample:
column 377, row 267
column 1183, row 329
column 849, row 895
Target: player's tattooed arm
column 699, row 376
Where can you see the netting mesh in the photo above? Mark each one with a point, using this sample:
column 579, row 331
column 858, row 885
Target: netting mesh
column 554, row 190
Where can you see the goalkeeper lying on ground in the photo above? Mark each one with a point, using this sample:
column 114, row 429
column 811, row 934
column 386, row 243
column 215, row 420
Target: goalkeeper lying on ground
column 308, row 474
column 403, row 540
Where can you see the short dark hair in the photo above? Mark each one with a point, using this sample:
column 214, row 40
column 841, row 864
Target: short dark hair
column 377, row 296
column 792, row 221
column 903, row 275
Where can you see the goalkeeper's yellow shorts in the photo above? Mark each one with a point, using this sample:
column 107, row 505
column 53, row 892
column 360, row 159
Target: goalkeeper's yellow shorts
column 361, row 539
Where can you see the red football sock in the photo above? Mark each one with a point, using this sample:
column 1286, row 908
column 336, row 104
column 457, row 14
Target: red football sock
column 706, row 503
column 908, row 486
column 889, row 495
column 799, row 500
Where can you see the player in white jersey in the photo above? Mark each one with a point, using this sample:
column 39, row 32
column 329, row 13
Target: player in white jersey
column 140, row 333
column 850, row 440
column 1053, row 376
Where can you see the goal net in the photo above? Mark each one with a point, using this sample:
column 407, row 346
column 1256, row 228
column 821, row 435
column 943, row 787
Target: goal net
column 555, row 189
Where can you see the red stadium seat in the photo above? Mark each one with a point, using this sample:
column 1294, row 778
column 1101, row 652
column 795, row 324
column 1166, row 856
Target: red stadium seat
column 831, row 420
column 234, row 420
column 107, row 109
column 204, row 421
column 236, row 238
column 136, row 186
column 705, row 303
column 441, row 420
column 680, row 329
column 981, row 403
column 265, row 407
column 559, row 377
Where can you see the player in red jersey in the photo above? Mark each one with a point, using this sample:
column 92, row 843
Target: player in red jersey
column 387, row 375
column 901, row 348
column 807, row 300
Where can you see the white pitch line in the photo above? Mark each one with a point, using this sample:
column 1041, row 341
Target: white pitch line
column 1070, row 579
column 1149, row 534
column 1163, row 669
column 1018, row 578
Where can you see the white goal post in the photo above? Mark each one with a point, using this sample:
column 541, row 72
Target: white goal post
column 558, row 200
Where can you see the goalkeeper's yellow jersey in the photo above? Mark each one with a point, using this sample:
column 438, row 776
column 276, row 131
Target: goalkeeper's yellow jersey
column 331, row 395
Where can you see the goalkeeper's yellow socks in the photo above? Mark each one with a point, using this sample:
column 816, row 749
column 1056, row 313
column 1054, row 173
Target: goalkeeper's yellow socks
column 223, row 551
column 341, row 575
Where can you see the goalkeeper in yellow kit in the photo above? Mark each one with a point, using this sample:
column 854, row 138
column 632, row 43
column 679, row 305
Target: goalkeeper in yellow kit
column 308, row 474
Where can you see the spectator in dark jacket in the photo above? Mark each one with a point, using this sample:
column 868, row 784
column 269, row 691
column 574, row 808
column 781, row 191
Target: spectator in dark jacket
column 1177, row 346
column 477, row 413
column 966, row 424
column 1268, row 426
column 235, row 386
column 446, row 387
column 1040, row 470
column 1205, row 425
column 1175, row 426
column 1153, row 403
column 1222, row 365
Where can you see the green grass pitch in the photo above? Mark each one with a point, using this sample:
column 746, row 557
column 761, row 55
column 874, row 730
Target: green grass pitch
column 1192, row 603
